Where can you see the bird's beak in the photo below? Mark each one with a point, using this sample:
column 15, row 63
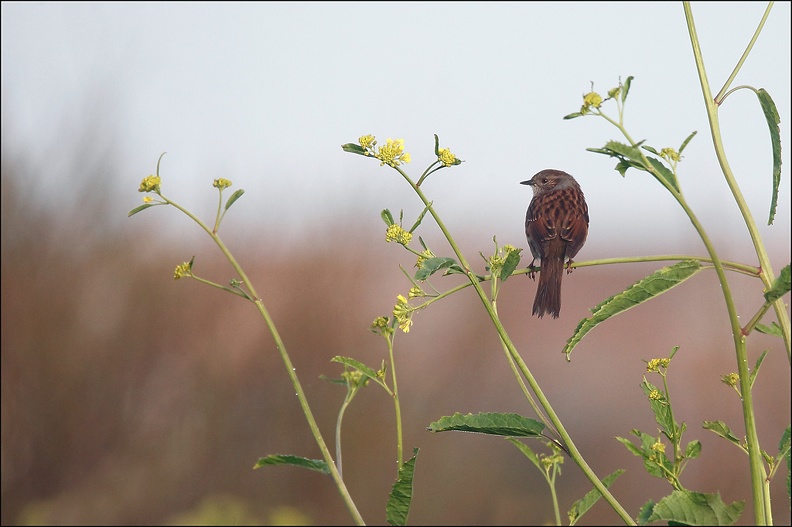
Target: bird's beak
column 528, row 182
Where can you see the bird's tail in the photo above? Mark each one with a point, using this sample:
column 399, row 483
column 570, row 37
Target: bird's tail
column 548, row 293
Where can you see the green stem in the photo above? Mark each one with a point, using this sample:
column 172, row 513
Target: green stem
column 574, row 453
column 290, row 370
column 760, row 500
column 397, row 406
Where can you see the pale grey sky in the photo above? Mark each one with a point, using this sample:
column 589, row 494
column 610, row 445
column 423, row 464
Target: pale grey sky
column 265, row 94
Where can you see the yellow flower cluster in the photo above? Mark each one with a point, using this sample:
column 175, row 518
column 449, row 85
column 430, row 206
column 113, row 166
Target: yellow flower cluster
column 731, row 379
column 367, row 141
column 221, row 183
column 670, row 154
column 445, row 157
column 590, row 100
column 403, row 313
column 656, row 364
column 396, row 233
column 381, row 325
column 150, row 184
column 655, row 395
column 182, row 270
column 393, row 153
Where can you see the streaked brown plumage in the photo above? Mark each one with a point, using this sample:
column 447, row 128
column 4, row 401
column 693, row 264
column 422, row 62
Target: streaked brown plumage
column 556, row 226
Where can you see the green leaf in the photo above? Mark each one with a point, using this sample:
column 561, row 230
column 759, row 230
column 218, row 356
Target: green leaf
column 437, row 145
column 756, row 368
column 695, row 508
column 421, row 216
column 573, row 115
column 398, row 506
column 631, row 447
column 235, row 196
column 662, row 173
column 387, row 217
column 773, row 120
column 784, row 451
column 780, row 287
column 773, row 329
column 645, row 289
column 142, row 207
column 661, row 409
column 645, row 512
column 582, row 505
column 431, row 265
column 626, row 88
column 651, row 149
column 354, row 148
column 352, row 363
column 296, row 461
column 693, row 449
column 510, row 264
column 527, row 451
column 722, row 429
column 685, row 142
column 489, row 423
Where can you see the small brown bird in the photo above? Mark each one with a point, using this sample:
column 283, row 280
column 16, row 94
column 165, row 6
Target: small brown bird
column 556, row 226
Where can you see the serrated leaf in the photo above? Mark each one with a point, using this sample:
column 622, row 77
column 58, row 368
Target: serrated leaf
column 784, row 451
column 773, row 120
column 489, row 423
column 686, row 141
column 693, row 449
column 235, row 196
column 354, row 148
column 582, row 505
column 695, row 508
column 431, row 265
column 662, row 173
column 645, row 512
column 723, row 430
column 510, row 264
column 398, row 507
column 142, row 207
column 295, row 461
column 645, row 289
column 352, row 363
column 780, row 287
column 387, row 217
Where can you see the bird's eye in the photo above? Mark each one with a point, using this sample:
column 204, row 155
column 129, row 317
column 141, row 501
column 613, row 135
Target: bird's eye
column 545, row 180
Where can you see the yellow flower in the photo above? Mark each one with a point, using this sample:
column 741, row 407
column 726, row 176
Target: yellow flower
column 731, row 379
column 392, row 153
column 221, row 183
column 403, row 313
column 416, row 292
column 396, row 233
column 367, row 141
column 381, row 325
column 147, row 199
column 150, row 184
column 659, row 446
column 656, row 364
column 592, row 99
column 670, row 154
column 446, row 157
column 655, row 395
column 182, row 270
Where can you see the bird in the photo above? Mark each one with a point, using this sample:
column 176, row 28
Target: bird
column 556, row 225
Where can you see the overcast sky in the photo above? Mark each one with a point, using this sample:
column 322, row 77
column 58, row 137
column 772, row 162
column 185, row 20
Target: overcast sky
column 265, row 94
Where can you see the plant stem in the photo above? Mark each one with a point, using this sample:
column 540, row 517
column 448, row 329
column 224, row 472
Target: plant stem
column 760, row 500
column 397, row 406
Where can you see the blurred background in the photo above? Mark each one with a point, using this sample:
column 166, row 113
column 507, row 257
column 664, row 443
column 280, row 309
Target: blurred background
column 128, row 398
